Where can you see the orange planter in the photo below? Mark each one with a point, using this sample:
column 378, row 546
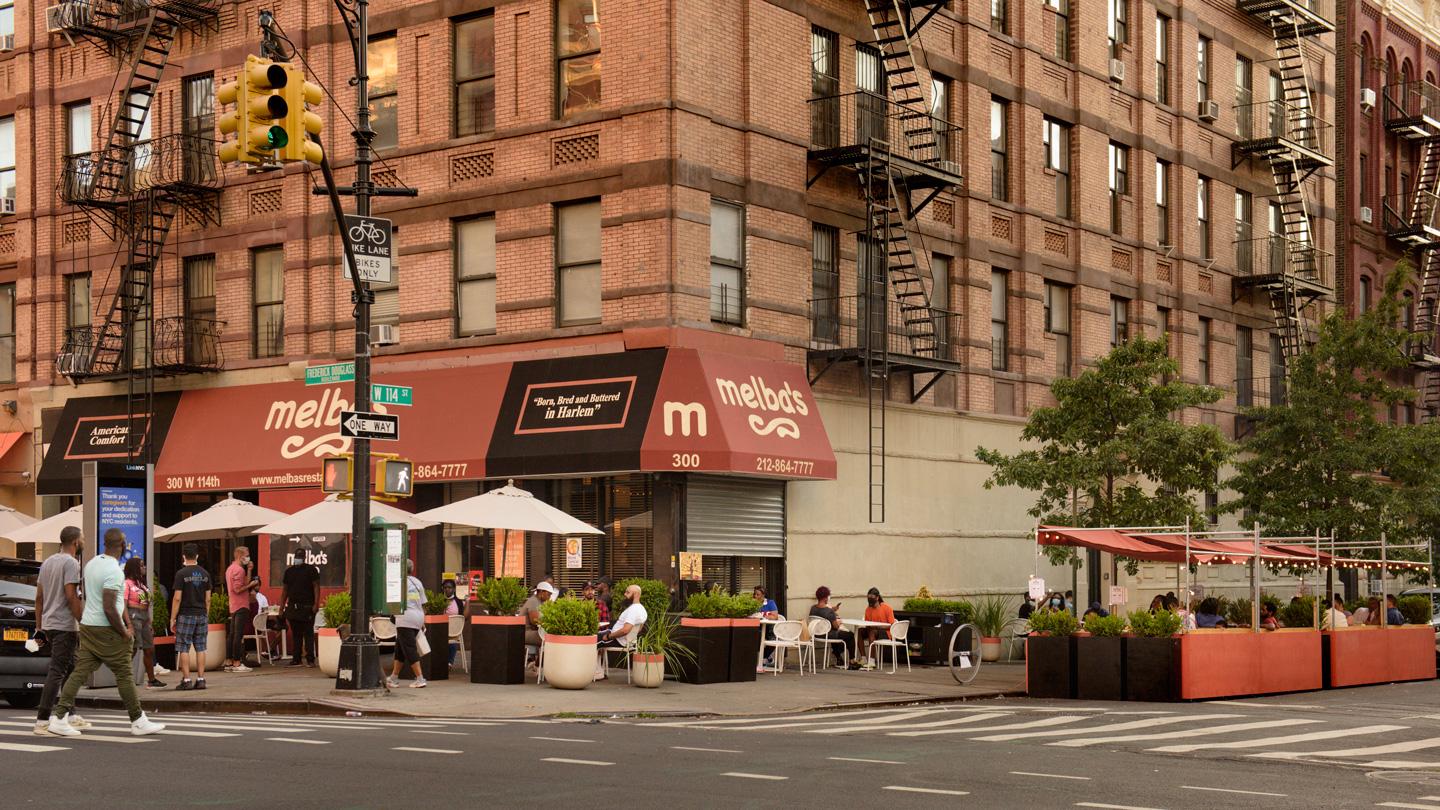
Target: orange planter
column 1363, row 655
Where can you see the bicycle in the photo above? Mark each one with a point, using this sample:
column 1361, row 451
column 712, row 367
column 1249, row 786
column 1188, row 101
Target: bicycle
column 368, row 231
column 964, row 654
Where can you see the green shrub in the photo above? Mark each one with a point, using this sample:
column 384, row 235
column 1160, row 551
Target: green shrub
column 219, row 607
column 1112, row 625
column 1054, row 622
column 337, row 609
column 160, row 618
column 654, row 595
column 1300, row 613
column 658, row 638
column 964, row 611
column 1416, row 609
column 1237, row 613
column 435, row 603
column 569, row 616
column 993, row 614
column 502, row 596
column 1160, row 624
column 741, row 605
column 709, row 604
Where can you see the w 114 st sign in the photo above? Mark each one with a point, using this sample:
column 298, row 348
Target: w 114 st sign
column 372, row 240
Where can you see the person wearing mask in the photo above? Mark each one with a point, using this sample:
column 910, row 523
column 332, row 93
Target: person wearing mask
column 137, row 609
column 1070, row 601
column 876, row 610
column 544, row 592
column 58, row 609
column 1393, row 616
column 1055, row 601
column 299, row 597
column 239, row 587
column 190, row 616
column 826, row 611
column 105, row 639
column 408, row 627
column 1335, row 617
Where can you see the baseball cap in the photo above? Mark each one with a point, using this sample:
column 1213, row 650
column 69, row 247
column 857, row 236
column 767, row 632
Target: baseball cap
column 548, row 588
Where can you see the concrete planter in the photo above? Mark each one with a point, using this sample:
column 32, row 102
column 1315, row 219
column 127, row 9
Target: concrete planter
column 569, row 661
column 214, row 646
column 327, row 647
column 649, row 669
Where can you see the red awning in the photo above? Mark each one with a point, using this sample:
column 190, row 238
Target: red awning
column 1110, row 541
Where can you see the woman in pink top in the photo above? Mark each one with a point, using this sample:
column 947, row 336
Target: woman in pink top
column 137, row 608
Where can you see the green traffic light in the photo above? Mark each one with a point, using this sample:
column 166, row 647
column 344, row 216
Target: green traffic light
column 278, row 137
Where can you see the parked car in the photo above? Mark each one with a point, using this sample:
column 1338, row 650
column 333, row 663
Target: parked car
column 22, row 673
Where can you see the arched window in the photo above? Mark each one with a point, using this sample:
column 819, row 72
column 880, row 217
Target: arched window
column 1406, row 71
column 1391, row 74
column 1362, row 300
column 1365, row 56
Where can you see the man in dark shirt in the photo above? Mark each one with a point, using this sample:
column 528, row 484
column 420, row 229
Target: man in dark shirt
column 823, row 610
column 190, row 616
column 298, row 601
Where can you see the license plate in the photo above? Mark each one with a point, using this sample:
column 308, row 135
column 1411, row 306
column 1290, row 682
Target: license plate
column 16, row 634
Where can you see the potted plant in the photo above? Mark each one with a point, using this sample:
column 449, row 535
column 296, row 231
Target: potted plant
column 327, row 639
column 164, row 642
column 1299, row 613
column 215, row 635
column 1237, row 612
column 932, row 623
column 745, row 635
column 1100, row 659
column 655, row 650
column 1152, row 656
column 437, row 631
column 993, row 616
column 706, row 633
column 570, row 626
column 1050, row 654
column 497, row 640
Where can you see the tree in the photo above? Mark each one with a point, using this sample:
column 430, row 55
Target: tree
column 1111, row 452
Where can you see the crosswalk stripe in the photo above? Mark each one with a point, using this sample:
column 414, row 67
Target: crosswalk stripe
column 1126, row 726
column 1392, row 748
column 972, row 718
column 297, row 740
column 1048, row 721
column 734, row 721
column 31, row 749
column 1181, row 733
column 179, row 723
column 1409, row 805
column 908, row 789
column 1270, row 742
column 870, row 722
column 9, row 732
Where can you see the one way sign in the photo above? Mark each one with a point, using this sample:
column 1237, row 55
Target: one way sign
column 362, row 425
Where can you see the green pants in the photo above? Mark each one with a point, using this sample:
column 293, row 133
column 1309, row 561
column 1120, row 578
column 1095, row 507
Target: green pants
column 101, row 645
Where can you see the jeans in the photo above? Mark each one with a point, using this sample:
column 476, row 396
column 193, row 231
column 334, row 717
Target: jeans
column 241, row 622
column 849, row 651
column 101, row 645
column 62, row 663
column 302, row 628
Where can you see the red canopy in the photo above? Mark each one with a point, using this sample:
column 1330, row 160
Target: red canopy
column 1108, row 540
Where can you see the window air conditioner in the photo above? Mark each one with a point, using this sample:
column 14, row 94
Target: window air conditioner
column 1366, row 215
column 1209, row 110
column 384, row 334
column 55, row 19
column 1367, row 99
column 1117, row 70
column 7, row 43
column 7, row 205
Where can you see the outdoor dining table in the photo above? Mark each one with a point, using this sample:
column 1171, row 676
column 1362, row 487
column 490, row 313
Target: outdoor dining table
column 854, row 623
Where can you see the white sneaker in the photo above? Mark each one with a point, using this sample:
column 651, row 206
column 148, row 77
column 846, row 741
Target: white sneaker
column 240, row 668
column 418, row 683
column 392, row 683
column 143, row 726
column 60, row 726
column 42, row 728
column 159, row 670
column 76, row 721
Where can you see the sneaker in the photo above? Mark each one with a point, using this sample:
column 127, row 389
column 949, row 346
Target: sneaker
column 159, row 670
column 185, row 685
column 240, row 668
column 42, row 728
column 60, row 726
column 227, row 668
column 295, row 664
column 155, row 683
column 311, row 664
column 392, row 683
column 143, row 726
column 418, row 683
column 200, row 683
column 76, row 721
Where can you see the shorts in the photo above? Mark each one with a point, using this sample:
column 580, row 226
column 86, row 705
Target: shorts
column 144, row 628
column 407, row 649
column 191, row 631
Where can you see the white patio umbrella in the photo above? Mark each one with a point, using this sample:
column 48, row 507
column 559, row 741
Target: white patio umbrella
column 48, row 530
column 508, row 507
column 13, row 519
column 229, row 518
column 334, row 516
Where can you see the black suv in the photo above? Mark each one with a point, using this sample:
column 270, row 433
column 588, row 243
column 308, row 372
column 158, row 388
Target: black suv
column 22, row 673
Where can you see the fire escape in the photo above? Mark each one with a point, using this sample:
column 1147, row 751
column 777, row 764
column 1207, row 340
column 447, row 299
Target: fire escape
column 133, row 188
column 1284, row 262
column 901, row 151
column 1412, row 217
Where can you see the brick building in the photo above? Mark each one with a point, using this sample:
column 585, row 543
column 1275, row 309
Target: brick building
column 684, row 196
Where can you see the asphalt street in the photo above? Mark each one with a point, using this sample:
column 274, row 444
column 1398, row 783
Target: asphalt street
column 1372, row 747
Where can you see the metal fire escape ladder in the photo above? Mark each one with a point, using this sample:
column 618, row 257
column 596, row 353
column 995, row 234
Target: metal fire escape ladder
column 1422, row 210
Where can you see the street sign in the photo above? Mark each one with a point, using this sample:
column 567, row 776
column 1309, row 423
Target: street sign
column 372, row 241
column 333, row 373
column 362, row 425
column 381, row 394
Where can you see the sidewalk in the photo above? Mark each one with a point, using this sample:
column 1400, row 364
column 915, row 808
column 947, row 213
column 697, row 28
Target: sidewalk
column 306, row 691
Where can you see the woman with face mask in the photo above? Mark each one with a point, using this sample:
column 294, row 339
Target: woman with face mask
column 875, row 611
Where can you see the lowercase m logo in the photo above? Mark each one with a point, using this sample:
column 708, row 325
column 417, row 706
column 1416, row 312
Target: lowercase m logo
column 685, row 411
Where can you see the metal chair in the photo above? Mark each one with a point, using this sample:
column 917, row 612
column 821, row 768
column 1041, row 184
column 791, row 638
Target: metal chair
column 820, row 633
column 626, row 648
column 457, row 634
column 787, row 637
column 895, row 643
column 261, row 637
column 383, row 628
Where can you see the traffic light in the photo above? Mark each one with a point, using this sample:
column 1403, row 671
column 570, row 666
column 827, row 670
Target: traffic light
column 395, row 477
column 299, row 121
column 231, row 122
column 258, row 120
column 336, row 474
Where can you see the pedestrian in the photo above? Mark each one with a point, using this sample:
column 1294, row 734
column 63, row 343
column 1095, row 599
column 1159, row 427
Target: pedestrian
column 106, row 639
column 137, row 609
column 238, row 585
column 299, row 597
column 190, row 616
column 58, row 608
column 454, row 606
column 408, row 628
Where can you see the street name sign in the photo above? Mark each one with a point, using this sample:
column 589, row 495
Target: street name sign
column 381, row 394
column 363, row 425
column 328, row 375
column 372, row 240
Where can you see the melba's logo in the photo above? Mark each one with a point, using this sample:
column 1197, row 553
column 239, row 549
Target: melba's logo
column 291, row 416
column 757, row 396
column 685, row 412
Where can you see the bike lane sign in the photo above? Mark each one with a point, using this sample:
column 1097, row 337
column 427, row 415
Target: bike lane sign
column 372, row 241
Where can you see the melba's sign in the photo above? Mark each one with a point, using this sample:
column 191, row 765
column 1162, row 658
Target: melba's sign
column 295, row 417
column 764, row 403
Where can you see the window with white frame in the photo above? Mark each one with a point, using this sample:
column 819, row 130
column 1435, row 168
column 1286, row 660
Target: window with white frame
column 727, row 262
column 577, row 262
column 475, row 276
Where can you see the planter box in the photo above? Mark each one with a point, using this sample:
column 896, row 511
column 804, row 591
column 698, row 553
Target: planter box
column 215, row 646
column 436, row 665
column 1100, row 668
column 744, row 649
column 1152, row 669
column 648, row 670
column 327, row 650
column 165, row 652
column 497, row 649
column 930, row 634
column 709, row 641
column 570, row 661
column 1050, row 667
column 1363, row 655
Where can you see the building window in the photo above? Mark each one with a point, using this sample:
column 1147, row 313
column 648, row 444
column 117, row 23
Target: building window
column 7, row 18
column 201, row 329
column 1212, row 507
column 1364, row 180
column 1277, row 371
column 824, row 88
column 825, row 284
column 1204, row 354
column 269, row 296
column 999, row 149
column 1000, row 16
column 1162, row 318
column 1000, row 320
column 1162, row 202
column 7, row 333
column 77, row 301
column 1202, row 69
column 872, row 108
column 197, row 114
column 1244, row 231
column 1119, row 181
column 383, row 56
column 1244, row 367
column 1162, row 59
column 577, row 262
column 1119, row 320
column 1202, row 214
column 1057, row 159
column 940, row 115
column 7, row 161
column 940, row 302
column 1118, row 26
column 475, row 276
column 79, row 169
column 727, row 262
column 577, row 56
column 1244, row 96
column 386, row 307
column 1057, row 324
column 1364, row 294
column 1061, row 8
column 475, row 75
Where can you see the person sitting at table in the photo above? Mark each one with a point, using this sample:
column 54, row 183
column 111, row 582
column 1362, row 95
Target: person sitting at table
column 1393, row 616
column 826, row 611
column 876, row 610
column 1209, row 614
column 1094, row 610
column 768, row 610
column 1335, row 618
column 1157, row 604
column 1362, row 614
column 1187, row 619
column 587, row 592
column 1267, row 617
column 544, row 592
column 625, row 630
column 1026, row 608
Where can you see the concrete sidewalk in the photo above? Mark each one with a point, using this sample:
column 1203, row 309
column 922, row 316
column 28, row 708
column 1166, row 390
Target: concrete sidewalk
column 280, row 690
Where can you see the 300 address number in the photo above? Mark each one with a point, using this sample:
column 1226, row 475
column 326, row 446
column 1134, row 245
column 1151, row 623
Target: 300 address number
column 685, row 461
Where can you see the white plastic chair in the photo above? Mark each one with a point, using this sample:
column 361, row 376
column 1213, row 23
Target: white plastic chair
column 896, row 643
column 627, row 646
column 820, row 632
column 457, row 634
column 261, row 637
column 787, row 637
column 383, row 628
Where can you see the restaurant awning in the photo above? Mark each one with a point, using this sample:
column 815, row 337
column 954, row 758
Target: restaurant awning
column 98, row 429
column 1110, row 541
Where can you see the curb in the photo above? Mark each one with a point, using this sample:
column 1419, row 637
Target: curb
column 318, row 707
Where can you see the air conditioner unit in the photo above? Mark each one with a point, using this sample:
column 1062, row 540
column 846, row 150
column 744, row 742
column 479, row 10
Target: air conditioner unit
column 1366, row 215
column 7, row 43
column 55, row 19
column 7, row 205
column 384, row 334
column 1367, row 99
column 1209, row 110
column 1117, row 70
